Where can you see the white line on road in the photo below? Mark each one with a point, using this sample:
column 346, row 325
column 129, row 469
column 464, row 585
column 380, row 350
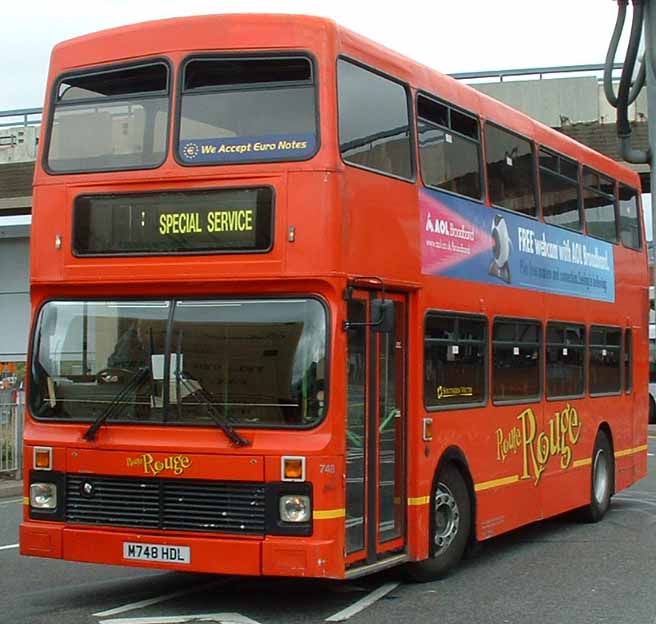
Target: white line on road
column 8, row 546
column 151, row 601
column 11, row 502
column 363, row 603
column 222, row 618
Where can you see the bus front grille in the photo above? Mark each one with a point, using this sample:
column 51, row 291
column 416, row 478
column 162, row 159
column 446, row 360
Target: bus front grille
column 169, row 504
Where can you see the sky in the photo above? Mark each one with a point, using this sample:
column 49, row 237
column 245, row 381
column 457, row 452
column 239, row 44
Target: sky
column 466, row 35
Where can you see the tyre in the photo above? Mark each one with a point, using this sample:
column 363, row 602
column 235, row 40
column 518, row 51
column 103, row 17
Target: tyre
column 450, row 527
column 652, row 411
column 602, row 479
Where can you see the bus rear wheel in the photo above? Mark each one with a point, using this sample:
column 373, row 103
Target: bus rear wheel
column 602, row 479
column 450, row 526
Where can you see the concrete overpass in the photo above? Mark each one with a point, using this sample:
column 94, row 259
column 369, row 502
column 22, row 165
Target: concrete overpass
column 568, row 98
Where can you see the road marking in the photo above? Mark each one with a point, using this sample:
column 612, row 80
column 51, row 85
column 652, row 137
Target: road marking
column 650, row 454
column 157, row 599
column 363, row 603
column 11, row 502
column 8, row 546
column 222, row 618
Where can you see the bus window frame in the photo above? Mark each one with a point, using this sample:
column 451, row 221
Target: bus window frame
column 245, row 55
column 481, row 162
column 411, row 119
column 535, row 173
column 584, row 347
column 579, row 187
column 615, row 203
column 487, row 352
column 33, row 354
column 541, row 364
column 205, row 252
column 101, row 69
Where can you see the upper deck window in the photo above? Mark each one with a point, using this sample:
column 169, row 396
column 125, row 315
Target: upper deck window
column 449, row 148
column 599, row 205
column 560, row 190
column 629, row 218
column 374, row 121
column 254, row 109
column 110, row 120
column 510, row 170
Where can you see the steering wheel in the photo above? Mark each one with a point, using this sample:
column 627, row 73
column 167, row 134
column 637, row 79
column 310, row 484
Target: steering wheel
column 113, row 375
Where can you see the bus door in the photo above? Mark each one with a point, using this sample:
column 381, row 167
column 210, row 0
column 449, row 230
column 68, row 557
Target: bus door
column 375, row 432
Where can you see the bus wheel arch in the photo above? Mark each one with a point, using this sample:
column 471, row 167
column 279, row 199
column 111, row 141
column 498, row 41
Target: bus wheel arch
column 452, row 518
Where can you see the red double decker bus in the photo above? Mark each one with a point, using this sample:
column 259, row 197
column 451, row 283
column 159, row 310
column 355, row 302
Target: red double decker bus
column 304, row 307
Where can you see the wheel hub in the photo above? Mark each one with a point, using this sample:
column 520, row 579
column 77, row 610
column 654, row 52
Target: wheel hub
column 446, row 518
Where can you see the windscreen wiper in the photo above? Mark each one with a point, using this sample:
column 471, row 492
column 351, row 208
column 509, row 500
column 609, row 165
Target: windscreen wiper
column 118, row 402
column 196, row 391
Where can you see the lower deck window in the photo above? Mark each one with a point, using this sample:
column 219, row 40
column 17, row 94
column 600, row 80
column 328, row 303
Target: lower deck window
column 565, row 360
column 605, row 359
column 455, row 350
column 516, row 350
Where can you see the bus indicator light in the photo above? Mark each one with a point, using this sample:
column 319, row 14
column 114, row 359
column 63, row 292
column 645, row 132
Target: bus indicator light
column 43, row 458
column 428, row 430
column 293, row 468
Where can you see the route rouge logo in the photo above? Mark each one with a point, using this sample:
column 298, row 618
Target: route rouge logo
column 176, row 464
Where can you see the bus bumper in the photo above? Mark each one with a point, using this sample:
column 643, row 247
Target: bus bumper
column 271, row 556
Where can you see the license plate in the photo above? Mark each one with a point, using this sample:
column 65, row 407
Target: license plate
column 156, row 552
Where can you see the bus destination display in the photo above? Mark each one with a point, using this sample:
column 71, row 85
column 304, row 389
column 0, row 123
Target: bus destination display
column 224, row 220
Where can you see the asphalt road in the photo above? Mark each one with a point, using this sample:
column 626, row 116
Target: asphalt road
column 558, row 571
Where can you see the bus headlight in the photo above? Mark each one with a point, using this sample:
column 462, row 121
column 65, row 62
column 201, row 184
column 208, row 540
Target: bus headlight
column 43, row 496
column 295, row 508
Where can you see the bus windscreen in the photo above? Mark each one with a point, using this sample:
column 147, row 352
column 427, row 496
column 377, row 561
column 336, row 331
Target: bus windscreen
column 259, row 363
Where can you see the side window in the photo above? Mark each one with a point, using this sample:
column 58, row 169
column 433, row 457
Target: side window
column 629, row 220
column 516, row 347
column 599, row 205
column 565, row 360
column 374, row 121
column 628, row 361
column 605, row 358
column 559, row 183
column 510, row 161
column 455, row 361
column 449, row 148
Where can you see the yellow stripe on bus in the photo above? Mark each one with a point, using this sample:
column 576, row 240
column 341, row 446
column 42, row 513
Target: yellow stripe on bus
column 26, row 500
column 418, row 500
column 487, row 485
column 329, row 514
column 633, row 451
column 582, row 462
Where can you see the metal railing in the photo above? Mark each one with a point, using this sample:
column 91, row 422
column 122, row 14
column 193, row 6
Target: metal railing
column 11, row 436
column 20, row 117
column 500, row 74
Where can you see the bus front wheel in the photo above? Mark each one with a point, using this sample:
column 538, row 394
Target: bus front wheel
column 602, row 479
column 450, row 526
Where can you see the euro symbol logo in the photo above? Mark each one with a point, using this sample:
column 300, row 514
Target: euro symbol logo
column 190, row 150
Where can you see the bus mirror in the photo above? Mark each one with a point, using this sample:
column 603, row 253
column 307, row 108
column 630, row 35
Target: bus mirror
column 383, row 315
